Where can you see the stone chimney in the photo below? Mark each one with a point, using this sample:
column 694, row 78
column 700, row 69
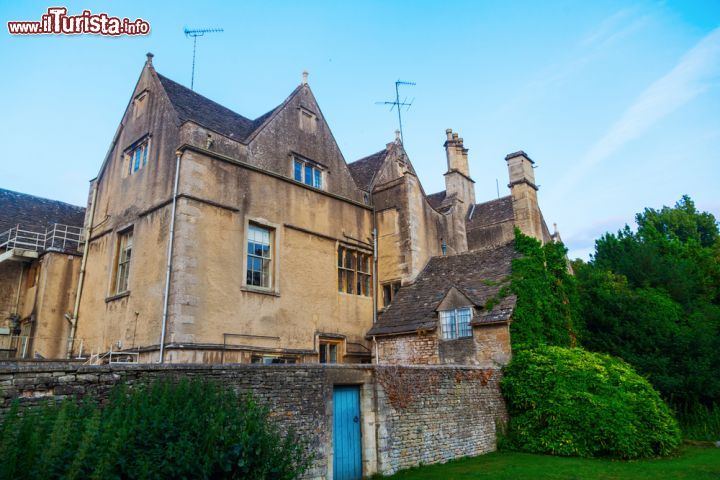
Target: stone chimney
column 457, row 154
column 460, row 188
column 524, row 194
column 457, row 178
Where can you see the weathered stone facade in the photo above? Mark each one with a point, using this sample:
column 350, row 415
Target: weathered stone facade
column 409, row 415
column 207, row 176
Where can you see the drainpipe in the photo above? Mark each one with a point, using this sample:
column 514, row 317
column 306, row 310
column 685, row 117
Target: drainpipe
column 377, row 355
column 375, row 280
column 166, row 295
column 81, row 278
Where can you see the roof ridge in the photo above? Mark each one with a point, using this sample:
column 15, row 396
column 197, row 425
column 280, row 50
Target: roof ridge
column 487, row 248
column 367, row 157
column 494, row 200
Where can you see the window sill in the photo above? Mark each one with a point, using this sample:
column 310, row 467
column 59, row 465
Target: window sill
column 469, row 337
column 117, row 296
column 355, row 295
column 262, row 291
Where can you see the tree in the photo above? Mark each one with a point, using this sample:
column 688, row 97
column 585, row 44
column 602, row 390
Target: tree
column 652, row 297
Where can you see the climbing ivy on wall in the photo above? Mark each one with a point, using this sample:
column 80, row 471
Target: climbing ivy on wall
column 547, row 298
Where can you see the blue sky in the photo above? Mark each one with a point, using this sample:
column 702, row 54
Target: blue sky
column 618, row 103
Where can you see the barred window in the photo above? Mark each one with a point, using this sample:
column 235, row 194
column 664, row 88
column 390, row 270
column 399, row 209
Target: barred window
column 456, row 323
column 259, row 256
column 354, row 272
column 123, row 261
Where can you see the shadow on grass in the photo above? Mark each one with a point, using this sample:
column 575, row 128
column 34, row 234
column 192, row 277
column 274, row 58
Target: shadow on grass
column 691, row 462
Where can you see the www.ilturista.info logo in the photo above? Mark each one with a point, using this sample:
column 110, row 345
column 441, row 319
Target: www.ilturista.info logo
column 58, row 22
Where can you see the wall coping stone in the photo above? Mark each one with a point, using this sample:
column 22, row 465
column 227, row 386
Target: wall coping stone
column 189, row 367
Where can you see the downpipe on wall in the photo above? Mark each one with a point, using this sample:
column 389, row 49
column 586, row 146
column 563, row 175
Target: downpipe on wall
column 81, row 279
column 166, row 294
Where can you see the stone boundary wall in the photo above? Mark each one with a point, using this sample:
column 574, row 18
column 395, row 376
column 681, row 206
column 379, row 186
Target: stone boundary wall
column 409, row 414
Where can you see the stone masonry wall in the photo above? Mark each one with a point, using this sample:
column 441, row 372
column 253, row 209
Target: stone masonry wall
column 409, row 415
column 436, row 414
column 411, row 349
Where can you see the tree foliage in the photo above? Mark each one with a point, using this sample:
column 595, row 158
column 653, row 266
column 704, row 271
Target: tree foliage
column 190, row 429
column 652, row 297
column 567, row 401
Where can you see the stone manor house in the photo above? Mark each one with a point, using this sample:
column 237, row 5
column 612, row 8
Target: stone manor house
column 213, row 238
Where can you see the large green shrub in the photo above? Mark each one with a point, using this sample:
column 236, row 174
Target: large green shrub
column 567, row 401
column 189, row 429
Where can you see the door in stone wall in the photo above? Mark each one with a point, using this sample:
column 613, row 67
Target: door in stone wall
column 347, row 452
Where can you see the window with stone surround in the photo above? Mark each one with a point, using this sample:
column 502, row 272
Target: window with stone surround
column 122, row 266
column 354, row 272
column 307, row 172
column 259, row 256
column 389, row 290
column 272, row 359
column 136, row 157
column 456, row 323
column 330, row 351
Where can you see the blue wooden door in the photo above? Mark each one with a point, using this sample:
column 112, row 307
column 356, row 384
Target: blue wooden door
column 347, row 454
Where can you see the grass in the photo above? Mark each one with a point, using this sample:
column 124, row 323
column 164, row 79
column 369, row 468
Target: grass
column 690, row 462
column 700, row 422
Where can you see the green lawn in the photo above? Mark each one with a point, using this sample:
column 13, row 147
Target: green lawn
column 691, row 462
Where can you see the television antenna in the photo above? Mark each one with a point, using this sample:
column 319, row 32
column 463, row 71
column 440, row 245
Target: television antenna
column 398, row 104
column 194, row 33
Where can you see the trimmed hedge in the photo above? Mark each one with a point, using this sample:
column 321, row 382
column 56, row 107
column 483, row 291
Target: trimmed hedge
column 189, row 429
column 567, row 401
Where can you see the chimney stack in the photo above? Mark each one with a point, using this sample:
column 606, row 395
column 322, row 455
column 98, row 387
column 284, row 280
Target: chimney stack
column 460, row 187
column 524, row 194
column 457, row 154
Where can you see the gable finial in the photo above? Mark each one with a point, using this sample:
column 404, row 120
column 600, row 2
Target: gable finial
column 397, row 137
column 305, row 77
column 149, row 56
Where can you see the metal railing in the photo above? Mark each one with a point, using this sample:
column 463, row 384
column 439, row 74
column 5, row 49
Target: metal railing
column 65, row 238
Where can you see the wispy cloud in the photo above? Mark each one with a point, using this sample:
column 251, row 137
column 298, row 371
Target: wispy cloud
column 600, row 38
column 581, row 243
column 692, row 75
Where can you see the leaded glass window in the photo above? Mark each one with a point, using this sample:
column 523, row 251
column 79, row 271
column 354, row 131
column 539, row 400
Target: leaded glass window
column 456, row 323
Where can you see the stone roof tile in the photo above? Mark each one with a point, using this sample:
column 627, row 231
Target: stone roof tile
column 479, row 275
column 192, row 106
column 490, row 213
column 36, row 213
column 364, row 170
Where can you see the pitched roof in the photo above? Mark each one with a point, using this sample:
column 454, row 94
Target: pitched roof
column 194, row 107
column 490, row 213
column 441, row 201
column 36, row 213
column 478, row 275
column 364, row 170
column 435, row 199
